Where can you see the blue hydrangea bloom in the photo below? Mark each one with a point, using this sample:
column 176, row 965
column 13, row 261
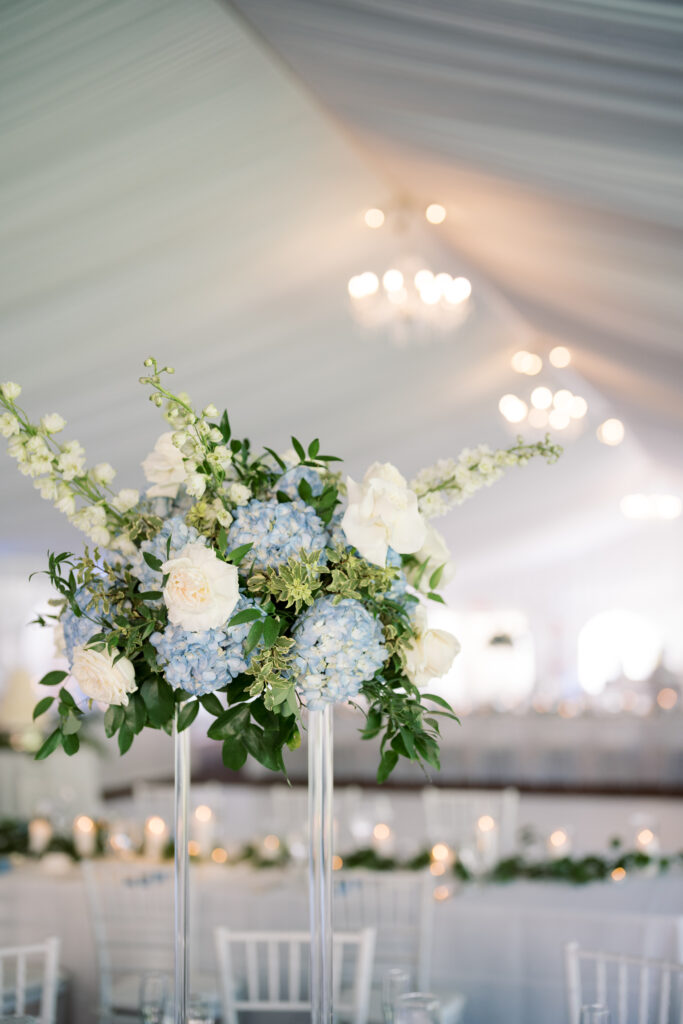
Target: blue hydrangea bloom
column 337, row 648
column 276, row 531
column 289, row 481
column 79, row 629
column 180, row 534
column 399, row 587
column 202, row 662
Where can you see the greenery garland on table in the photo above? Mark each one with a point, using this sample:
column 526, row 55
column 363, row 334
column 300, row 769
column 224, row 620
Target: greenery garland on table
column 247, row 583
column 573, row 870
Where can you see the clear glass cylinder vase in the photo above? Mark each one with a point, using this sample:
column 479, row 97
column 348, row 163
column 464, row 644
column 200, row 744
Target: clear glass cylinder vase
column 320, row 819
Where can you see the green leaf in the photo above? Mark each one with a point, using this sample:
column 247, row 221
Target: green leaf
column 271, row 630
column 435, row 597
column 265, row 747
column 42, row 706
column 237, row 554
column 247, row 615
column 234, row 754
column 222, row 539
column 299, row 449
column 373, row 724
column 253, row 637
column 151, row 595
column 66, row 698
column 294, row 741
column 187, row 715
column 53, row 679
column 305, row 491
column 71, row 724
column 408, row 742
column 135, row 714
column 211, row 703
column 281, row 463
column 71, row 744
column 313, row 448
column 152, row 561
column 387, row 764
column 224, row 427
column 429, row 749
column 50, row 744
column 437, row 700
column 435, row 578
column 126, row 737
column 230, row 723
column 158, row 698
column 113, row 719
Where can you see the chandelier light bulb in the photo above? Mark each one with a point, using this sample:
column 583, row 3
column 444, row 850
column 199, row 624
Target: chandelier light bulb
column 611, row 432
column 374, row 218
column 459, row 290
column 541, row 398
column 513, row 408
column 430, row 293
column 578, row 407
column 392, row 280
column 526, row 362
column 435, row 213
column 560, row 357
column 444, row 281
column 562, row 400
column 558, row 419
column 423, row 278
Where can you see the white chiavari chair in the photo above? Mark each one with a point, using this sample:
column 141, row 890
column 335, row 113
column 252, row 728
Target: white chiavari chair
column 637, row 990
column 451, row 815
column 29, row 979
column 269, row 972
column 400, row 906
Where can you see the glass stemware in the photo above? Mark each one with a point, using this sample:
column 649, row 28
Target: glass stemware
column 396, row 982
column 417, row 1008
column 595, row 1013
column 153, row 996
column 199, row 1011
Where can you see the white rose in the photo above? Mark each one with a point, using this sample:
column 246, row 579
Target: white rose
column 52, row 423
column 103, row 473
column 238, row 494
column 9, row 424
column 435, row 552
column 126, row 499
column 164, row 468
column 100, row 679
column 382, row 512
column 431, row 654
column 201, row 591
column 10, row 390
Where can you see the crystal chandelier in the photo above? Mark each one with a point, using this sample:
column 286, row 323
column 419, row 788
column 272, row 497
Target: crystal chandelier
column 406, row 296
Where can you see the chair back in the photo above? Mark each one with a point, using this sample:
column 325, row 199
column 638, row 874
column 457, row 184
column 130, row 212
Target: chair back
column 270, row 971
column 131, row 907
column 399, row 906
column 451, row 815
column 28, row 976
column 637, row 990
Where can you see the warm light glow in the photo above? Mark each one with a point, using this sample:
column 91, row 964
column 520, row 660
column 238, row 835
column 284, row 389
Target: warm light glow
column 611, row 432
column 645, row 836
column 619, row 874
column 651, row 506
column 437, row 869
column 363, row 285
column 440, row 851
column 219, row 855
column 441, row 893
column 337, row 863
column 399, row 297
column 193, row 848
column 578, row 407
column 459, row 290
column 156, row 826
column 667, row 698
column 527, row 362
column 381, row 831
column 392, row 280
column 271, row 843
column 560, row 357
column 203, row 813
column 486, row 823
column 541, row 398
column 84, row 824
column 423, row 278
column 430, row 293
column 513, row 409
column 443, row 280
column 435, row 213
column 538, row 418
column 558, row 419
column 563, row 399
column 374, row 218
column 558, row 838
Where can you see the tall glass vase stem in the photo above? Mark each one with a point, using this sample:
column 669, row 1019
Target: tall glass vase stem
column 182, row 875
column 320, row 789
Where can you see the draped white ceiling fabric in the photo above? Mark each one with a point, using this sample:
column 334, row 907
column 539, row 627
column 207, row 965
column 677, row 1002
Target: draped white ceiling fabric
column 188, row 180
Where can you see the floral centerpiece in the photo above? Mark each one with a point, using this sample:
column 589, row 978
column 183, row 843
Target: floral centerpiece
column 248, row 583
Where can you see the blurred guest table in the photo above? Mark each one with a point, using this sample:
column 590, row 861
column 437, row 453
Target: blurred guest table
column 501, row 945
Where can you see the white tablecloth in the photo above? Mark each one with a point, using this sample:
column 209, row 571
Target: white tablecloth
column 501, row 945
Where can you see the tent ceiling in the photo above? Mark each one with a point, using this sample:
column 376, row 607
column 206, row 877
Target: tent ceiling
column 168, row 185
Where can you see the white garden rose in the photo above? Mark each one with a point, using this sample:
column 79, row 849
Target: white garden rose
column 99, row 678
column 201, row 591
column 431, row 653
column 164, row 468
column 435, row 553
column 382, row 513
column 52, row 423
